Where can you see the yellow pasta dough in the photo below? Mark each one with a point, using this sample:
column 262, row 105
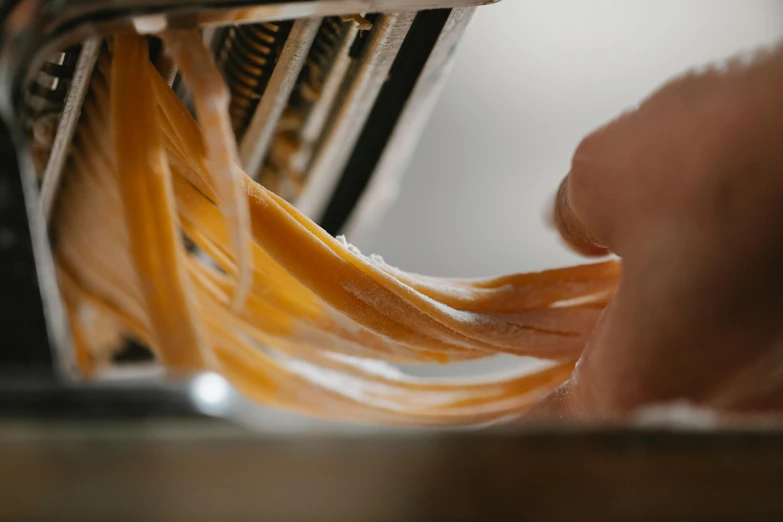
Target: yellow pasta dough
column 292, row 317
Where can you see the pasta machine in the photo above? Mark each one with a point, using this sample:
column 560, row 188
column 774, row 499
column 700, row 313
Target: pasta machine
column 328, row 98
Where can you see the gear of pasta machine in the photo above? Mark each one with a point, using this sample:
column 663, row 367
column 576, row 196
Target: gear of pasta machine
column 328, row 98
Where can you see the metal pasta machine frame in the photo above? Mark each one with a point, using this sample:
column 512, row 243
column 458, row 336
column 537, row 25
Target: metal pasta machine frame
column 328, row 100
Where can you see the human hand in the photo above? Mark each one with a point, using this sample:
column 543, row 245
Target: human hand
column 688, row 190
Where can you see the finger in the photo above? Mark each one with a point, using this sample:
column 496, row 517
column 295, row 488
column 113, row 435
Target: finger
column 555, row 407
column 571, row 228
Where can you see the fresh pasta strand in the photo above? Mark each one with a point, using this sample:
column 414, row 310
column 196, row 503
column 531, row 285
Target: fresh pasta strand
column 212, row 98
column 292, row 317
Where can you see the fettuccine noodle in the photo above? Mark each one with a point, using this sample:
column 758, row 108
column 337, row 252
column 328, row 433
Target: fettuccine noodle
column 292, row 317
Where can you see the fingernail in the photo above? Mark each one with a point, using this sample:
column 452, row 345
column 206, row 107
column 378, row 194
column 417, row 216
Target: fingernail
column 573, row 232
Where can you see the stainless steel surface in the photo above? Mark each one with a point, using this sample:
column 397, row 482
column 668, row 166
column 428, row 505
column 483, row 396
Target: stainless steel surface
column 310, row 106
column 333, row 7
column 259, row 133
column 33, row 29
column 248, row 56
column 322, row 108
column 357, row 97
column 67, row 125
column 45, row 26
column 46, row 95
column 382, row 189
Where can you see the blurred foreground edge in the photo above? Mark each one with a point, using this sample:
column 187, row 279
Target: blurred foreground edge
column 197, row 470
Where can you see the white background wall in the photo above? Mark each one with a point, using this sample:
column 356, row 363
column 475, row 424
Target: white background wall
column 530, row 79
